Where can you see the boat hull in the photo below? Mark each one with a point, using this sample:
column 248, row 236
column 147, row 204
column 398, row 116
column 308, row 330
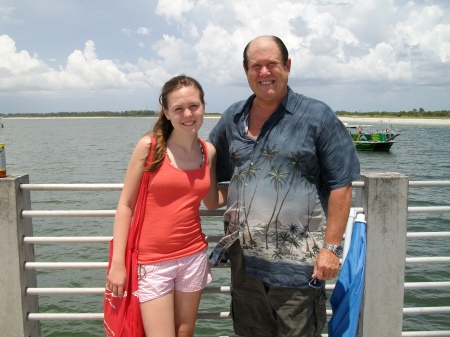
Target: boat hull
column 373, row 146
column 371, row 141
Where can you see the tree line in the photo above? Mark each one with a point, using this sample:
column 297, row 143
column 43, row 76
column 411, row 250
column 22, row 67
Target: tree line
column 414, row 113
column 130, row 113
column 420, row 113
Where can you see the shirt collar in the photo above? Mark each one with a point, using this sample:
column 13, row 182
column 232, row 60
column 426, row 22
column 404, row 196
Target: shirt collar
column 288, row 103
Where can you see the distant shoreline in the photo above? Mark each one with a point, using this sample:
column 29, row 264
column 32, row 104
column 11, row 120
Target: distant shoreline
column 344, row 119
column 396, row 120
column 91, row 117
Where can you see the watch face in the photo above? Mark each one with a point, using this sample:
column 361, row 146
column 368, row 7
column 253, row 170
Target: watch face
column 334, row 248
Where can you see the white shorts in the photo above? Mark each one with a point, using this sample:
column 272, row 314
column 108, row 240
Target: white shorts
column 187, row 274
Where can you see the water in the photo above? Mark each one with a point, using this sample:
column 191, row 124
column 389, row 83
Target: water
column 97, row 150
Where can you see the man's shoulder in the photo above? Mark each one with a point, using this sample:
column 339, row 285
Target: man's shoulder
column 302, row 105
column 235, row 108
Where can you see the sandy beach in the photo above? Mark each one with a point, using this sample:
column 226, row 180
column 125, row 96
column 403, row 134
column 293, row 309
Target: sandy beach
column 350, row 120
column 417, row 121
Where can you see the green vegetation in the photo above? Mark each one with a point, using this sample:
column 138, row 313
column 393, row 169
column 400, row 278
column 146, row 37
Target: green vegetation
column 132, row 113
column 421, row 113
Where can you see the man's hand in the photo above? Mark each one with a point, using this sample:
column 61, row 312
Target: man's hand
column 326, row 266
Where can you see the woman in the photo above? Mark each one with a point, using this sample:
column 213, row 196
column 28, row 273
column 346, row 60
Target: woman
column 173, row 264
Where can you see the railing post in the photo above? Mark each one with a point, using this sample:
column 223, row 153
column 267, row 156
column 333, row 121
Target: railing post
column 385, row 203
column 15, row 304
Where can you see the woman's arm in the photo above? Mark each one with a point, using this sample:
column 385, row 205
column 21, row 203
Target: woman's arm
column 122, row 220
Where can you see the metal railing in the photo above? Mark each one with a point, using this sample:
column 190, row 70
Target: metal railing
column 19, row 214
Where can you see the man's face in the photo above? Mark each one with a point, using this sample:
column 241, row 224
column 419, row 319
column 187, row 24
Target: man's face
column 267, row 75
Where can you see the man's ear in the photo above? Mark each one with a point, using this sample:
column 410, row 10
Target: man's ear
column 288, row 64
column 245, row 69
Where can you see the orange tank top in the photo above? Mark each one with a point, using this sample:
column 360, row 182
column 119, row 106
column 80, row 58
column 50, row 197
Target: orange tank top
column 171, row 227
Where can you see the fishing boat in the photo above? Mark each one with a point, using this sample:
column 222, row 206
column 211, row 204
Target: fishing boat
column 368, row 138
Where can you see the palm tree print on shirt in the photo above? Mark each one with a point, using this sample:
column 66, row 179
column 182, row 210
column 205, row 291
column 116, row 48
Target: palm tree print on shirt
column 286, row 238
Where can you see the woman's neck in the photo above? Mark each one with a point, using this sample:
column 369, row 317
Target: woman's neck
column 187, row 143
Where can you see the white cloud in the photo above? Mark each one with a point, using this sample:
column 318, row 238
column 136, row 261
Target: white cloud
column 15, row 63
column 127, row 31
column 143, row 31
column 383, row 43
column 139, row 31
column 174, row 54
column 426, row 31
column 84, row 71
column 173, row 9
column 219, row 66
column 90, row 72
column 6, row 13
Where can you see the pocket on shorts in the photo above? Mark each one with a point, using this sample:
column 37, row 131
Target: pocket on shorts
column 144, row 270
column 320, row 311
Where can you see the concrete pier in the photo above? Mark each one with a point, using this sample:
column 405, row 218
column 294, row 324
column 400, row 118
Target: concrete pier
column 15, row 304
column 384, row 199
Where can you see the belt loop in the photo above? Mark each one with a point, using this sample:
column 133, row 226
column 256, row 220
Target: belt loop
column 141, row 271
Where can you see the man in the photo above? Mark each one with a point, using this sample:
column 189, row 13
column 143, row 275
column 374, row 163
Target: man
column 290, row 163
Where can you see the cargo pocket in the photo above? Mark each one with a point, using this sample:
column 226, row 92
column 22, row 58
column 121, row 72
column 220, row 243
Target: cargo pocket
column 320, row 312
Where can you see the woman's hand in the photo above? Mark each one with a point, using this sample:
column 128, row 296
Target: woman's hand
column 116, row 279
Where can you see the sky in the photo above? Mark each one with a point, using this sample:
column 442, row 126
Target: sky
column 115, row 55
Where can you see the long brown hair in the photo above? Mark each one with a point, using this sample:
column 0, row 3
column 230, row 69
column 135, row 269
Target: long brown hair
column 163, row 127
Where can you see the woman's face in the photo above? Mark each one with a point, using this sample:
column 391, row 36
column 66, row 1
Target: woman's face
column 185, row 110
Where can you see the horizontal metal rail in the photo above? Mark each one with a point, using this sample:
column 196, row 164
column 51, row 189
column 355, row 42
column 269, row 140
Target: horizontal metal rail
column 65, row 291
column 117, row 187
column 93, row 213
column 210, row 238
column 66, row 265
column 71, row 187
column 99, row 187
column 427, row 285
column 430, row 183
column 429, row 209
column 426, row 310
column 426, row 333
column 434, row 259
column 205, row 315
column 99, row 316
column 101, row 291
column 427, row 235
column 104, row 265
column 66, row 239
column 83, row 265
column 203, row 212
column 208, row 290
column 84, row 239
column 69, row 214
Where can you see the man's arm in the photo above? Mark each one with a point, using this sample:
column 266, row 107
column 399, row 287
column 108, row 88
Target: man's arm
column 339, row 202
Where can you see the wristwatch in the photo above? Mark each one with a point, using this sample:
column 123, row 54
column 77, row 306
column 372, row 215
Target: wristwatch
column 336, row 249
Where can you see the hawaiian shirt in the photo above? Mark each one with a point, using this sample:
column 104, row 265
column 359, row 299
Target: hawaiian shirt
column 279, row 184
